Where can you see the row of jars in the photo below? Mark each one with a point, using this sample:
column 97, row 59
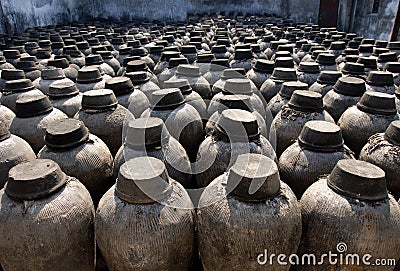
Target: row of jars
column 197, row 113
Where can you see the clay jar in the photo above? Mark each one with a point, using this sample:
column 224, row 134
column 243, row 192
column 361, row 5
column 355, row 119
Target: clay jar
column 284, row 95
column 171, row 71
column 138, row 66
column 230, row 210
column 80, row 155
column 66, row 214
column 325, row 82
column 29, row 67
column 150, row 137
column 191, row 97
column 308, row 72
column 163, row 62
column 236, row 102
column 351, row 205
column 280, row 75
column 230, row 74
column 49, row 76
column 198, row 83
column 70, row 71
column 346, row 92
column 110, row 60
column 327, row 62
column 104, row 117
column 155, row 228
column 383, row 150
column 4, row 65
column 8, row 75
column 16, row 88
column 303, row 106
column 381, row 82
column 182, row 120
column 142, row 82
column 6, row 115
column 317, row 150
column 65, row 96
column 90, row 78
column 236, row 132
column 97, row 61
column 127, row 96
column 238, row 86
column 14, row 150
column 216, row 69
column 261, row 72
column 33, row 115
column 373, row 114
column 394, row 68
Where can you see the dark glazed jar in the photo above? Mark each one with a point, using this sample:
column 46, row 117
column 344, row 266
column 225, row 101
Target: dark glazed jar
column 230, row 210
column 33, row 115
column 317, row 150
column 150, row 137
column 236, row 132
column 13, row 151
column 37, row 200
column 303, row 106
column 155, row 229
column 351, row 205
column 373, row 114
column 182, row 120
column 127, row 96
column 79, row 154
column 345, row 93
column 65, row 96
column 271, row 86
column 325, row 82
column 104, row 117
column 383, row 150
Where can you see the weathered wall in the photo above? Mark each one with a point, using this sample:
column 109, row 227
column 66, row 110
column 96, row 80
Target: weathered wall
column 368, row 24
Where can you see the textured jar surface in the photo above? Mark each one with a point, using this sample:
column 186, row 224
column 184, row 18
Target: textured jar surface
column 6, row 115
column 151, row 236
column 91, row 86
column 233, row 233
column 258, row 78
column 9, row 99
column 365, row 227
column 136, row 102
column 69, row 105
column 322, row 89
column 44, row 85
column 335, row 103
column 54, row 233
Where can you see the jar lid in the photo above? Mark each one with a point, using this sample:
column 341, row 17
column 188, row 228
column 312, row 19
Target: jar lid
column 138, row 78
column 26, row 65
column 67, row 57
column 237, row 86
column 377, row 103
column 358, row 179
column 145, row 133
column 19, row 85
column 219, row 64
column 182, row 84
column 105, row 55
column 387, row 57
column 243, row 54
column 52, row 74
column 43, row 54
column 394, row 45
column 288, row 88
column 254, row 178
column 381, row 43
column 35, row 179
column 353, row 68
column 156, row 49
column 326, row 59
column 58, row 63
column 168, row 98
column 264, row 66
column 350, row 52
column 284, row 74
column 4, row 132
column 142, row 180
column 308, row 101
column 380, row 78
column 337, row 45
column 378, row 51
column 232, row 73
column 66, row 134
column 120, row 85
column 238, row 125
column 329, row 77
column 136, row 65
column 284, row 62
column 93, row 60
column 141, row 51
column 32, row 105
column 370, row 62
column 392, row 133
column 218, row 49
column 175, row 62
column 62, row 89
column 11, row 54
column 205, row 58
column 350, row 86
column 83, row 45
column 321, row 136
column 366, row 48
column 88, row 75
column 188, row 70
column 12, row 74
column 286, row 48
column 309, row 67
column 393, row 67
column 99, row 99
column 234, row 102
column 167, row 55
